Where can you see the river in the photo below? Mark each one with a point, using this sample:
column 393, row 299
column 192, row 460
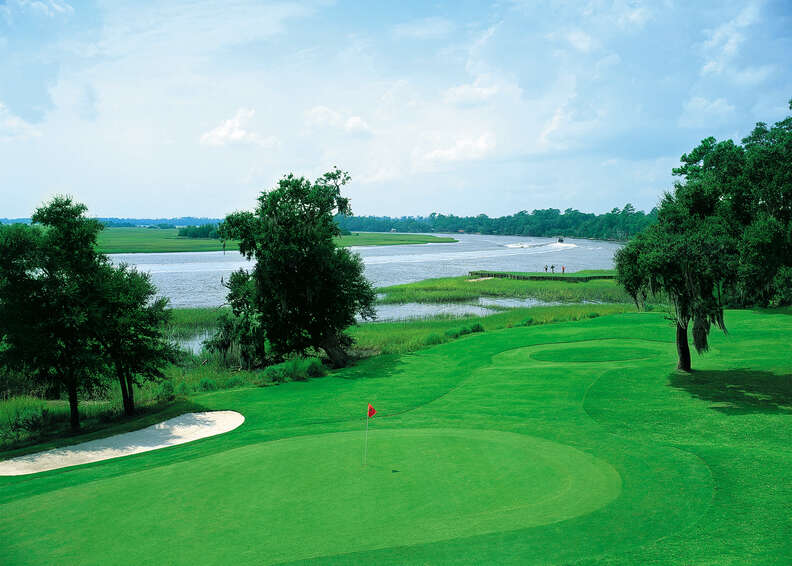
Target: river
column 194, row 279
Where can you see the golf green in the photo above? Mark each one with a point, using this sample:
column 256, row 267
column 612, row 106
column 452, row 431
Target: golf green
column 318, row 483
column 573, row 443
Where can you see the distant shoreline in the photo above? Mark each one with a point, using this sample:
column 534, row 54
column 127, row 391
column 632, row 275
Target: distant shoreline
column 158, row 240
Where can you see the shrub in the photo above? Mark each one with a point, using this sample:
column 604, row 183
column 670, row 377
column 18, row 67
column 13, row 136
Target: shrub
column 452, row 333
column 464, row 330
column 432, row 339
column 477, row 327
column 235, row 381
column 296, row 369
column 207, row 384
column 165, row 392
column 275, row 374
column 314, row 367
column 527, row 322
column 182, row 390
column 593, row 314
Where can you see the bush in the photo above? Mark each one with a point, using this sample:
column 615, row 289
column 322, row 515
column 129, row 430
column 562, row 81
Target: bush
column 275, row 374
column 207, row 384
column 452, row 333
column 182, row 390
column 527, row 322
column 477, row 327
column 593, row 314
column 235, row 381
column 165, row 392
column 433, row 339
column 314, row 367
column 464, row 330
column 296, row 369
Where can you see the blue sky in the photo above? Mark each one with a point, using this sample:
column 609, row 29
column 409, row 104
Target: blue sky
column 174, row 108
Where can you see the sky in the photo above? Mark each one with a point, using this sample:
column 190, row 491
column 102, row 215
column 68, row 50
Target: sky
column 175, row 108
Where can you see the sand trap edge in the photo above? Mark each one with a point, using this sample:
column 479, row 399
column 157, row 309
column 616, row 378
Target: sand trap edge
column 172, row 432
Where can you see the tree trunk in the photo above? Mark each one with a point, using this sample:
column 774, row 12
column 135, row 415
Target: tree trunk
column 74, row 414
column 129, row 407
column 131, row 394
column 683, row 348
column 335, row 351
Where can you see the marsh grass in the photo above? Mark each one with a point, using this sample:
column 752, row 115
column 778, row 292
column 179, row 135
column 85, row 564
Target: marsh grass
column 464, row 289
column 186, row 323
column 400, row 337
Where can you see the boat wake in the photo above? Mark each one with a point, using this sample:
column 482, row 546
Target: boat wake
column 549, row 245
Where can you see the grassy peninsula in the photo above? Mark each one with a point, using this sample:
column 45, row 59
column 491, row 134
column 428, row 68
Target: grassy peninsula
column 160, row 240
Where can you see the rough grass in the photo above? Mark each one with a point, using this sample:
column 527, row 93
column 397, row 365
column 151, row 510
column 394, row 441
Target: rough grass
column 478, row 454
column 188, row 322
column 464, row 289
column 400, row 337
column 150, row 240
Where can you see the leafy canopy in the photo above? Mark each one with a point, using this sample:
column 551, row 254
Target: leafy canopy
column 303, row 291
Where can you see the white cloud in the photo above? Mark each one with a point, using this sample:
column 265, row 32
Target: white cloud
column 322, row 116
column 233, row 132
column 702, row 112
column 632, row 15
column 356, row 125
column 723, row 46
column 426, row 28
column 469, row 94
column 49, row 8
column 580, row 40
column 14, row 128
column 464, row 149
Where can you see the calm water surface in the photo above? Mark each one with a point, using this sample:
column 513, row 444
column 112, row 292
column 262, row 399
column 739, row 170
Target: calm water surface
column 194, row 279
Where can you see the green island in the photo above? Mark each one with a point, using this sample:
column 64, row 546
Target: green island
column 522, row 444
column 541, row 286
column 162, row 240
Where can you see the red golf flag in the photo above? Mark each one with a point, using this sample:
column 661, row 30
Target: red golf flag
column 372, row 411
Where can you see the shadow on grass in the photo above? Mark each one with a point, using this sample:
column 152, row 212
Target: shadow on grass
column 738, row 391
column 384, row 365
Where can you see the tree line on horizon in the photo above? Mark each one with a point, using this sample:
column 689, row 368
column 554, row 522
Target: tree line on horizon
column 618, row 224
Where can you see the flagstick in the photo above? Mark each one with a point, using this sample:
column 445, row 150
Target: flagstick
column 365, row 445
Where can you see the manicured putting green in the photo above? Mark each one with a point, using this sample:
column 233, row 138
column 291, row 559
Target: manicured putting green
column 318, row 484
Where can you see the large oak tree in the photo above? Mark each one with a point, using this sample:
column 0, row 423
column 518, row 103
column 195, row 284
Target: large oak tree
column 304, row 290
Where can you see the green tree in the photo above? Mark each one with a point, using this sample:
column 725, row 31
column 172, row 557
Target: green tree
column 132, row 333
column 305, row 290
column 48, row 300
column 690, row 254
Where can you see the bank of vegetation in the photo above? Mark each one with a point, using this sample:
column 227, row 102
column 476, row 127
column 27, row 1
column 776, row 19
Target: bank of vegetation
column 618, row 224
column 144, row 240
column 469, row 289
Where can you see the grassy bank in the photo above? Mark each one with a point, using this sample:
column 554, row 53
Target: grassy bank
column 149, row 240
column 26, row 419
column 567, row 443
column 466, row 289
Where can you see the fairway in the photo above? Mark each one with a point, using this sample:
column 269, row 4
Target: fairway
column 569, row 443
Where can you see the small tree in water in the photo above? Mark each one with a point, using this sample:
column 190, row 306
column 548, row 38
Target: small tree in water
column 305, row 290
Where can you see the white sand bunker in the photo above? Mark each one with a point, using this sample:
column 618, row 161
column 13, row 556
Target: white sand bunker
column 185, row 428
